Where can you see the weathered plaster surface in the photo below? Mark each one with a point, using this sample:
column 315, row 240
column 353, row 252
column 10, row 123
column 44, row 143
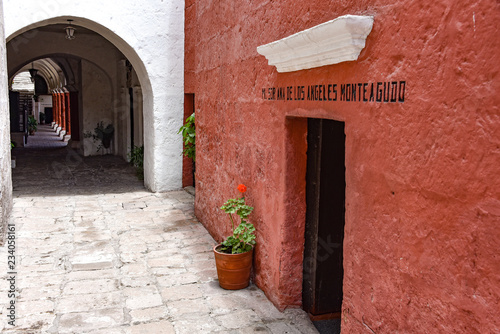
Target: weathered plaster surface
column 5, row 164
column 422, row 197
column 151, row 36
column 97, row 106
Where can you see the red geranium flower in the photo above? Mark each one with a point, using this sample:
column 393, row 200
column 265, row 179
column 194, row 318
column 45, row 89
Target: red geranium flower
column 242, row 188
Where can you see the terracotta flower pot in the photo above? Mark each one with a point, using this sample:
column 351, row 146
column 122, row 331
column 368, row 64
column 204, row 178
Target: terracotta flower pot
column 233, row 270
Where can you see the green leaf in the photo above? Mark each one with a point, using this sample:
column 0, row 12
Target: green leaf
column 188, row 131
column 244, row 234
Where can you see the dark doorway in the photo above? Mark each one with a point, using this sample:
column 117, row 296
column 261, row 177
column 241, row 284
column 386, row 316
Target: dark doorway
column 188, row 165
column 325, row 217
column 49, row 116
column 16, row 122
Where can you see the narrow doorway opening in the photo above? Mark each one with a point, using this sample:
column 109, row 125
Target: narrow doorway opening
column 188, row 165
column 325, row 220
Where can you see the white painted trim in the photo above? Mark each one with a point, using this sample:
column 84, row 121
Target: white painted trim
column 332, row 42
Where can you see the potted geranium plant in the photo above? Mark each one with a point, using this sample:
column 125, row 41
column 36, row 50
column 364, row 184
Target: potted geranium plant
column 233, row 257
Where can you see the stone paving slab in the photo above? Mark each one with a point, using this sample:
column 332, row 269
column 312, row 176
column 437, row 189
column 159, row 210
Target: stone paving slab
column 108, row 256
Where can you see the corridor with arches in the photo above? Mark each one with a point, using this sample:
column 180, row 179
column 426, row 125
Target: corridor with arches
column 48, row 166
column 98, row 253
column 78, row 83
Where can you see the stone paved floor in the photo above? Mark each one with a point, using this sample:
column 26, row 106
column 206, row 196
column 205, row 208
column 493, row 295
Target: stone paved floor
column 44, row 137
column 97, row 253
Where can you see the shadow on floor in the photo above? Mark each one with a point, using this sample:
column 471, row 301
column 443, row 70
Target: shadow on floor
column 331, row 326
column 62, row 171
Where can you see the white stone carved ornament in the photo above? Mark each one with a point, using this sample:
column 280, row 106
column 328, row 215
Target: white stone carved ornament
column 332, row 42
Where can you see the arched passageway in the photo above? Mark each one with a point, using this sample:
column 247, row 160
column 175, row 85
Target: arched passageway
column 91, row 83
column 82, row 86
column 118, row 42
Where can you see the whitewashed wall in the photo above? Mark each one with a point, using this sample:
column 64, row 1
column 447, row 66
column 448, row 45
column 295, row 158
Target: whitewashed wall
column 5, row 171
column 97, row 104
column 151, row 35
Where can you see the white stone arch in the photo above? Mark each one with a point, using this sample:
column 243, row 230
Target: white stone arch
column 151, row 36
column 52, row 73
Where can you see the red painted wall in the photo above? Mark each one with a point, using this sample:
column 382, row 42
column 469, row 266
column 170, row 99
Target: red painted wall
column 422, row 177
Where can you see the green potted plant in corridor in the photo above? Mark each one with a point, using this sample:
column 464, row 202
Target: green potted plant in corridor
column 32, row 125
column 136, row 157
column 102, row 134
column 233, row 257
